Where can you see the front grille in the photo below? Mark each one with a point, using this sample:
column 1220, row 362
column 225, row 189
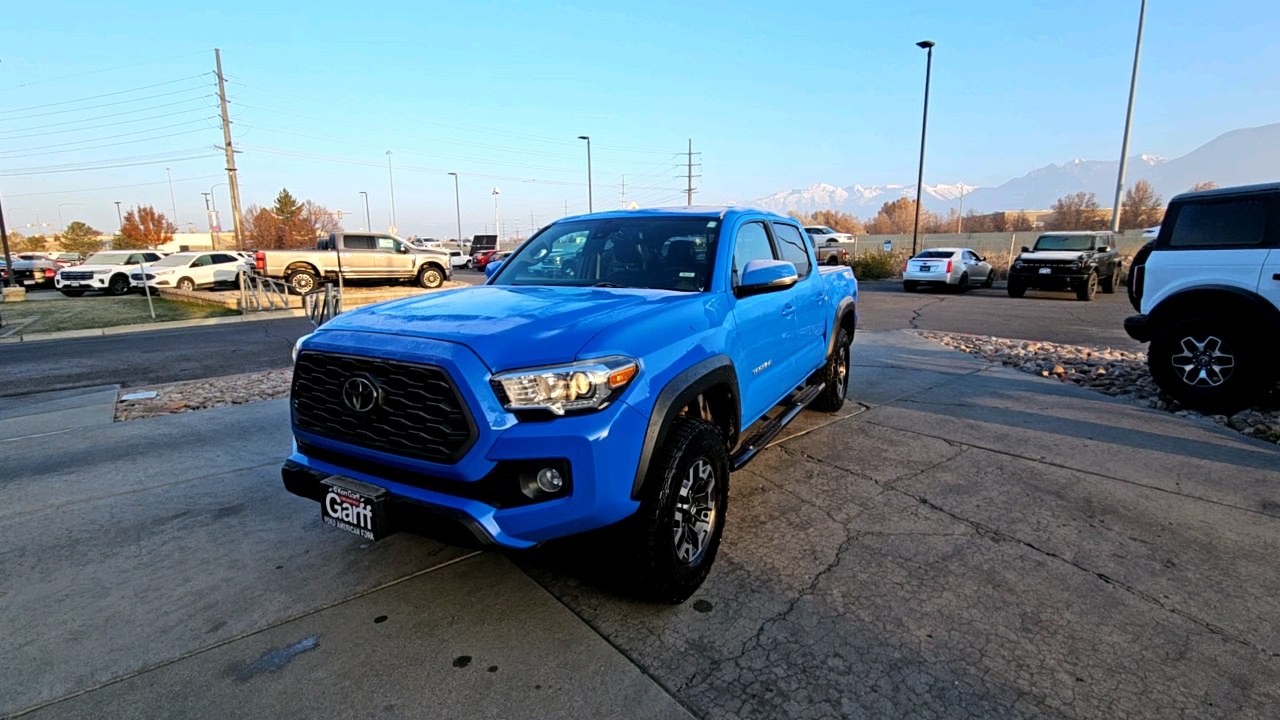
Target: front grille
column 418, row 413
column 137, row 277
column 78, row 276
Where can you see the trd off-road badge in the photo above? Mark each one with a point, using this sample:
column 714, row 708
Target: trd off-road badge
column 354, row 506
column 360, row 393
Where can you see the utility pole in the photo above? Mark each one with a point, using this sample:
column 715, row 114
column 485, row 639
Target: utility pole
column 590, row 203
column 960, row 217
column 457, row 205
column 172, row 202
column 368, row 226
column 497, row 226
column 689, row 202
column 4, row 240
column 391, row 181
column 119, row 217
column 531, row 222
column 1128, row 122
column 566, row 207
column 233, row 184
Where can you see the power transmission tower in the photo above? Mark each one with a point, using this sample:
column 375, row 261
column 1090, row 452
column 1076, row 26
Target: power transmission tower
column 233, row 184
column 691, row 176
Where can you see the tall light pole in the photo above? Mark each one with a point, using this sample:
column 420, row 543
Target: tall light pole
column 924, row 129
column 457, row 205
column 172, row 202
column 119, row 217
column 367, row 224
column 590, row 204
column 4, row 245
column 497, row 232
column 391, row 182
column 62, row 227
column 1128, row 122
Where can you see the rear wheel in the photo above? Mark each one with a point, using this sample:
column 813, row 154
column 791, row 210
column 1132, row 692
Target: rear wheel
column 835, row 374
column 910, row 285
column 1208, row 365
column 676, row 532
column 1016, row 288
column 832, row 260
column 302, row 281
column 991, row 278
column 963, row 285
column 118, row 285
column 1087, row 290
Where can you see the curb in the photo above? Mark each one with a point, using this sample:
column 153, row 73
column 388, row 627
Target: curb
column 150, row 327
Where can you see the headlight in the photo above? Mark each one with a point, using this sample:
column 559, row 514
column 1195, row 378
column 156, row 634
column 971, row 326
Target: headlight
column 103, row 271
column 1075, row 266
column 586, row 385
column 298, row 346
column 162, row 272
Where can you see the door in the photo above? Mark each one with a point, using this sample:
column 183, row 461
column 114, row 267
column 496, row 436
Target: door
column 226, row 268
column 359, row 256
column 763, row 324
column 201, row 270
column 1269, row 285
column 392, row 262
column 810, row 299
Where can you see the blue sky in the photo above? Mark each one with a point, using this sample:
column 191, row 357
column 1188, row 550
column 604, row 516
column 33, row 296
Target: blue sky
column 773, row 95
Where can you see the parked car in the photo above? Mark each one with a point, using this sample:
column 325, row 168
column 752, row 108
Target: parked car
column 4, row 272
column 953, row 268
column 369, row 256
column 104, row 271
column 34, row 270
column 1208, row 294
column 192, row 270
column 482, row 260
column 1082, row 262
column 457, row 259
column 530, row 408
column 831, row 247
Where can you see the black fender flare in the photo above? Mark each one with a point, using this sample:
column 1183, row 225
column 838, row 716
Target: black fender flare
column 678, row 393
column 1176, row 305
column 846, row 307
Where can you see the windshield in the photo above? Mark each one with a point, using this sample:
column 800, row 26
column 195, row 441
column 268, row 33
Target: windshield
column 107, row 259
column 1063, row 242
column 173, row 261
column 935, row 255
column 664, row 253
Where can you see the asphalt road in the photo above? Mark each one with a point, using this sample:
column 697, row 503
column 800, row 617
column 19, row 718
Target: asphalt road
column 216, row 350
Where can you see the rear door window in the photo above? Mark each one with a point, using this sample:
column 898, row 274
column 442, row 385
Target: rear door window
column 358, row 242
column 1225, row 224
column 792, row 246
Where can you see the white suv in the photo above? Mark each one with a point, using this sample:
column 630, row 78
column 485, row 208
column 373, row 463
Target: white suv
column 1208, row 290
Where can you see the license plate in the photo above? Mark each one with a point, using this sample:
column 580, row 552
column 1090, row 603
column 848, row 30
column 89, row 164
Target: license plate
column 926, row 268
column 28, row 282
column 359, row 508
column 74, row 284
column 1046, row 271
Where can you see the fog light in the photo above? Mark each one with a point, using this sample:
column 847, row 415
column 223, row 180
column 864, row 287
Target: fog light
column 549, row 480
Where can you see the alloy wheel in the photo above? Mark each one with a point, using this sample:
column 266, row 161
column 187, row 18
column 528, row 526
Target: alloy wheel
column 695, row 512
column 842, row 371
column 1204, row 363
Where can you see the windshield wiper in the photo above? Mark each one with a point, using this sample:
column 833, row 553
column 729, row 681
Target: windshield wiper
column 607, row 284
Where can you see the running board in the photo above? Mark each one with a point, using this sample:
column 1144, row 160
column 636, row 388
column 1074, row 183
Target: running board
column 767, row 432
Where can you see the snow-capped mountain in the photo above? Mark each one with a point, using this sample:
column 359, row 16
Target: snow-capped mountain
column 1239, row 157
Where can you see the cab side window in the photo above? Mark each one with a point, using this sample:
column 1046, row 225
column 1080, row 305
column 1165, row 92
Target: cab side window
column 202, row 261
column 752, row 244
column 358, row 242
column 792, row 246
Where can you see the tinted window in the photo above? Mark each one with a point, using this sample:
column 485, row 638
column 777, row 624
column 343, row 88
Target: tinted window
column 935, row 255
column 1239, row 223
column 136, row 258
column 358, row 242
column 752, row 244
column 1063, row 242
column 150, row 257
column 219, row 259
column 202, row 261
column 791, row 244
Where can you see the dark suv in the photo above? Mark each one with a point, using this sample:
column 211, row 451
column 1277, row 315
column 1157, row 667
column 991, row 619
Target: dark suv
column 1208, row 289
column 1082, row 262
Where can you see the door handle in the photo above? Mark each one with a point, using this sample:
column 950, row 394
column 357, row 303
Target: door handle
column 788, row 310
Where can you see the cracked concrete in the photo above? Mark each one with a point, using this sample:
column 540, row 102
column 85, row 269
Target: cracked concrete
column 973, row 545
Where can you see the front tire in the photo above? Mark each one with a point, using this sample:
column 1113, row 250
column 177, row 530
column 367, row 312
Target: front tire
column 430, row 277
column 187, row 284
column 1016, row 288
column 118, row 285
column 301, row 281
column 1089, row 289
column 1208, row 365
column 676, row 533
column 836, row 375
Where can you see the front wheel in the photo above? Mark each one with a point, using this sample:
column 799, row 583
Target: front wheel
column 676, row 532
column 1016, row 288
column 1207, row 365
column 118, row 285
column 430, row 277
column 835, row 374
column 186, row 284
column 1089, row 288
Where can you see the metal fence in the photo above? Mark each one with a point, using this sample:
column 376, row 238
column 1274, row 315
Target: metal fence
column 993, row 244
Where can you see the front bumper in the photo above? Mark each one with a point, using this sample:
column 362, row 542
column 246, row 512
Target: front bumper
column 97, row 282
column 601, row 449
column 1055, row 278
column 1138, row 327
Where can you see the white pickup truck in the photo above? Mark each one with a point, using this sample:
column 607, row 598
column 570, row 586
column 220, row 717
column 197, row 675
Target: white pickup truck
column 355, row 256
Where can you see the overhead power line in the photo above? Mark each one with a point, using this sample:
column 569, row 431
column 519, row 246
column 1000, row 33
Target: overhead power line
column 97, row 97
column 103, row 125
column 199, row 153
column 108, row 137
column 102, row 70
column 104, row 117
column 7, row 156
column 113, row 187
column 103, row 105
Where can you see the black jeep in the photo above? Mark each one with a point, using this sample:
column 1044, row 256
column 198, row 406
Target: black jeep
column 1081, row 262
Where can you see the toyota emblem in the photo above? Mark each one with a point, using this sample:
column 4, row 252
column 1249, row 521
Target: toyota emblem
column 360, row 393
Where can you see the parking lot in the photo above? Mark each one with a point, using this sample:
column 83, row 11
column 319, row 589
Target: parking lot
column 963, row 541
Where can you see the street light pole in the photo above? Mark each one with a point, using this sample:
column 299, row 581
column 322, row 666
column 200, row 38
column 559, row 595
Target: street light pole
column 61, row 226
column 172, row 202
column 1128, row 122
column 497, row 231
column 367, row 225
column 924, row 129
column 119, row 217
column 391, row 182
column 457, row 205
column 590, row 203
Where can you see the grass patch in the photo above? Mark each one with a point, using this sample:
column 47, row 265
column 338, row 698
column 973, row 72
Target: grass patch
column 96, row 312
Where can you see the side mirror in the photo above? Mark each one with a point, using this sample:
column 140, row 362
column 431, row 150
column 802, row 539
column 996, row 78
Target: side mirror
column 1026, row 249
column 491, row 268
column 982, row 258
column 403, row 249
column 766, row 276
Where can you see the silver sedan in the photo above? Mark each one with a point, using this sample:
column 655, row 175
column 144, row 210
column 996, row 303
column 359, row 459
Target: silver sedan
column 953, row 268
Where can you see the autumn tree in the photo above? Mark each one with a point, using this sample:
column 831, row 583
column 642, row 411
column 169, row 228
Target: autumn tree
column 80, row 238
column 33, row 244
column 144, row 228
column 1209, row 185
column 1078, row 211
column 1142, row 208
column 898, row 217
column 288, row 223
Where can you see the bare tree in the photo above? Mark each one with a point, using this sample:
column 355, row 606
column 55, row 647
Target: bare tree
column 898, row 218
column 1142, row 207
column 1208, row 185
column 144, row 227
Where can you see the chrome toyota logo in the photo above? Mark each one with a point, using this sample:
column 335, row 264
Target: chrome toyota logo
column 360, row 394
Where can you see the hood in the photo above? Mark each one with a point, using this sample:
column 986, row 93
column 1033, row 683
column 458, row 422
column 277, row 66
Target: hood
column 1059, row 255
column 508, row 327
column 92, row 268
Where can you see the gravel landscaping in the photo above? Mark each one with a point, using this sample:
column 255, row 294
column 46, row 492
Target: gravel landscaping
column 203, row 394
column 1116, row 373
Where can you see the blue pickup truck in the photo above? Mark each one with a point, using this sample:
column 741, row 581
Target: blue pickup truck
column 606, row 374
